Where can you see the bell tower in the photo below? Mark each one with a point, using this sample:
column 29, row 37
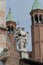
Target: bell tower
column 11, row 26
column 37, row 31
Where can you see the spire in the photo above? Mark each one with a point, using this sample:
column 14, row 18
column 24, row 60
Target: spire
column 9, row 16
column 37, row 5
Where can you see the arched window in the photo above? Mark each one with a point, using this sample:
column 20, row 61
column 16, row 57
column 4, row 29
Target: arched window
column 8, row 29
column 36, row 18
column 32, row 18
column 12, row 30
column 40, row 18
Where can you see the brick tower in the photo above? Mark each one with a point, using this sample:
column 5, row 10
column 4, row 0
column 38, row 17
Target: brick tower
column 37, row 31
column 14, row 54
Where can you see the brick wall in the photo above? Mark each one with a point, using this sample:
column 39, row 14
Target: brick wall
column 14, row 54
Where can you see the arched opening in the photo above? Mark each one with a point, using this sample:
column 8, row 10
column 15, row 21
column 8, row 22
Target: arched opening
column 8, row 29
column 12, row 30
column 40, row 18
column 36, row 18
column 32, row 18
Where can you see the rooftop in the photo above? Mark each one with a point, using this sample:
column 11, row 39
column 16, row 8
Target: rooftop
column 37, row 5
column 10, row 16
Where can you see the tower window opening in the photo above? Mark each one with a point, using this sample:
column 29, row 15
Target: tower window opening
column 36, row 18
column 32, row 19
column 12, row 30
column 8, row 29
column 40, row 18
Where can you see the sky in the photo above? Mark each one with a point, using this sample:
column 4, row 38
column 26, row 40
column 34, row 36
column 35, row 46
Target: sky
column 21, row 11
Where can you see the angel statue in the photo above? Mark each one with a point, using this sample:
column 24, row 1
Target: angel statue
column 21, row 38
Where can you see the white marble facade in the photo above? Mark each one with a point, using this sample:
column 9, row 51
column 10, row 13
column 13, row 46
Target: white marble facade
column 2, row 13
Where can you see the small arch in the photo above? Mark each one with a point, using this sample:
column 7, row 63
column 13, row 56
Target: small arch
column 36, row 18
column 12, row 30
column 8, row 29
column 40, row 18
